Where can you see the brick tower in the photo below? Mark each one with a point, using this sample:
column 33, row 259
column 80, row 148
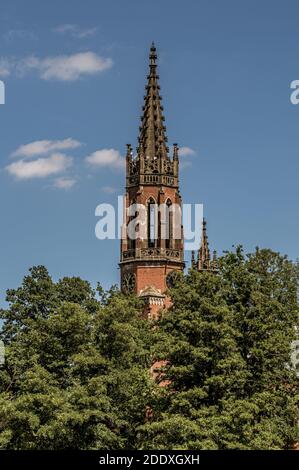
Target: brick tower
column 150, row 262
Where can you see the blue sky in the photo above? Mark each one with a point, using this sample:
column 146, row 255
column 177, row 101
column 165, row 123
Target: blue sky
column 75, row 73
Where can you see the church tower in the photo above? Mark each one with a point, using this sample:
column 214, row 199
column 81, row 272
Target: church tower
column 150, row 261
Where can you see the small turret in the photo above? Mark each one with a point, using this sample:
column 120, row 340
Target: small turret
column 204, row 262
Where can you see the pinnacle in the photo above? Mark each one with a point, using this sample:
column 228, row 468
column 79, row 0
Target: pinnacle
column 204, row 262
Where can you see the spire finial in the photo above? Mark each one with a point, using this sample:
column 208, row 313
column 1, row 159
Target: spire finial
column 153, row 55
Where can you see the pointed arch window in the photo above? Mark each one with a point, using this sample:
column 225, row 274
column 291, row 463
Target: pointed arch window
column 169, row 225
column 132, row 240
column 151, row 223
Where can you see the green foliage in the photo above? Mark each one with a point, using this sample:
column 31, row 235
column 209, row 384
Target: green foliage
column 77, row 368
column 76, row 371
column 227, row 342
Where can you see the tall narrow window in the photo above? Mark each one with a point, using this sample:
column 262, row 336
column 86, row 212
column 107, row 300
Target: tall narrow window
column 151, row 220
column 169, row 225
column 132, row 236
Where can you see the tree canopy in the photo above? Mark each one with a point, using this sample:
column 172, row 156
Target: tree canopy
column 77, row 365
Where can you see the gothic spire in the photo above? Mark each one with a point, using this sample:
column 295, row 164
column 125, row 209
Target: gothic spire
column 204, row 262
column 204, row 251
column 152, row 137
column 152, row 165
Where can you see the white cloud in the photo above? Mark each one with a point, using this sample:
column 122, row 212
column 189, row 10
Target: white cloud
column 75, row 30
column 67, row 68
column 64, row 183
column 42, row 147
column 108, row 189
column 63, row 67
column 73, row 67
column 106, row 158
column 40, row 168
column 5, row 68
column 185, row 164
column 186, row 152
